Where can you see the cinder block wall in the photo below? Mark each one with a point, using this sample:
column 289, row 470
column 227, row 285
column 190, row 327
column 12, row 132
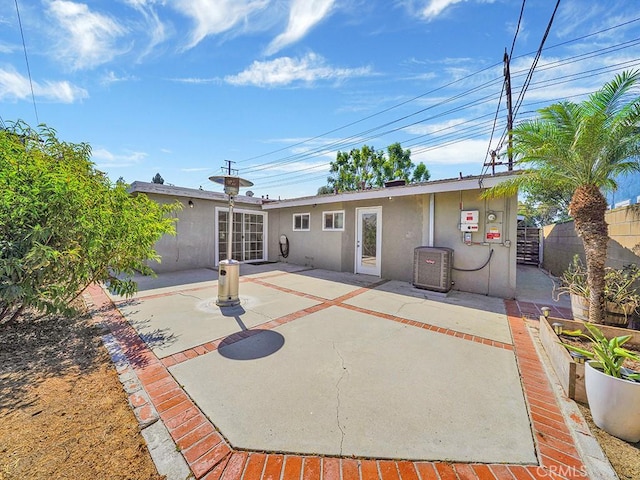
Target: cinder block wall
column 561, row 242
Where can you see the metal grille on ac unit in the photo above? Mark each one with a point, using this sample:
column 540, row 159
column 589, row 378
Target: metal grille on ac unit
column 432, row 268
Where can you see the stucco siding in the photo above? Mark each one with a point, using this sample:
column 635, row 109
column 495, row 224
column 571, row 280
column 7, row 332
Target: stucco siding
column 401, row 234
column 314, row 248
column 194, row 244
column 498, row 277
column 405, row 226
column 411, row 216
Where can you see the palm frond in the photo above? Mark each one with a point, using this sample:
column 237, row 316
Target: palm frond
column 611, row 97
column 507, row 188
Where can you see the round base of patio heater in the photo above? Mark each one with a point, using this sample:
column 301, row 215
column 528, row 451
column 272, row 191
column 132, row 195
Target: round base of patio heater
column 228, row 283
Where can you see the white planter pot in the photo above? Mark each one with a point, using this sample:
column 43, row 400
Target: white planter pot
column 614, row 404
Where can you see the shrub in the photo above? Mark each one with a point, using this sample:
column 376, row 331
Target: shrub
column 64, row 225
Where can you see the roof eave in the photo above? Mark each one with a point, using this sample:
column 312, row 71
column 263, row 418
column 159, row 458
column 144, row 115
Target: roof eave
column 437, row 186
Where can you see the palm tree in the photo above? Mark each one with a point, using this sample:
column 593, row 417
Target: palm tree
column 583, row 147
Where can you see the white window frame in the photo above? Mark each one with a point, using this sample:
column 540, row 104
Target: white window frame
column 301, row 215
column 265, row 233
column 333, row 213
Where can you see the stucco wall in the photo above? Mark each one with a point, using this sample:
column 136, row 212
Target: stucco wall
column 402, row 220
column 314, row 248
column 561, row 242
column 193, row 246
column 405, row 226
column 498, row 278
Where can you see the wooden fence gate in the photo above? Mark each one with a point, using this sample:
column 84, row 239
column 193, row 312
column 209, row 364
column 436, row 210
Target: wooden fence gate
column 528, row 248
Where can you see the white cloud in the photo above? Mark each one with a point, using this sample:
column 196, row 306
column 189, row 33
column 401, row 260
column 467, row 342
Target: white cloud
column 196, row 81
column 111, row 77
column 287, row 70
column 195, row 169
column 14, row 86
column 87, row 39
column 431, row 9
column 7, row 48
column 303, row 15
column 212, row 17
column 434, row 8
column 153, row 25
column 106, row 159
column 425, row 129
column 467, row 151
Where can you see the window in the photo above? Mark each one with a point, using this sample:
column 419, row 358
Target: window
column 333, row 220
column 301, row 222
column 249, row 231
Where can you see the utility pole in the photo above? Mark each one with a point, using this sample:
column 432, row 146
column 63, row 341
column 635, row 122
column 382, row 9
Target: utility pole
column 229, row 170
column 507, row 84
column 493, row 161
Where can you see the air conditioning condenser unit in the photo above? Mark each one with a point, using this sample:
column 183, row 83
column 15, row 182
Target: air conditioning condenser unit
column 432, row 268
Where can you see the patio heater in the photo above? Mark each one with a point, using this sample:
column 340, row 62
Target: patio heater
column 229, row 269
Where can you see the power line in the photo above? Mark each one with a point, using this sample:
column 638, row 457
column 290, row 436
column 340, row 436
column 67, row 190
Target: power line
column 535, row 61
column 26, row 59
column 372, row 115
column 361, row 136
column 457, row 136
column 525, row 85
column 433, row 144
column 515, row 36
column 432, row 138
column 506, row 85
column 287, row 147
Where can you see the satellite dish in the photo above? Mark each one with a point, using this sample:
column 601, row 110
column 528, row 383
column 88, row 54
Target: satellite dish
column 249, row 193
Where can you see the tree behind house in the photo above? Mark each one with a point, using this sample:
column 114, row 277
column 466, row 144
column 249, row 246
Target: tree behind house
column 365, row 167
column 64, row 225
column 157, row 178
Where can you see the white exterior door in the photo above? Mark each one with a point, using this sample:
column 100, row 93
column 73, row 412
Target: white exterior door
column 249, row 232
column 368, row 240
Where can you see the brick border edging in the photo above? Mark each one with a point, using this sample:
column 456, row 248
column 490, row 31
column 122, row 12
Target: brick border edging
column 210, row 457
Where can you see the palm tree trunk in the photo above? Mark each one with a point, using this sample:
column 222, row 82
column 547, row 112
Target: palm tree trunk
column 588, row 207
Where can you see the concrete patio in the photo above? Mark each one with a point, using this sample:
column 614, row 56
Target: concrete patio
column 316, row 364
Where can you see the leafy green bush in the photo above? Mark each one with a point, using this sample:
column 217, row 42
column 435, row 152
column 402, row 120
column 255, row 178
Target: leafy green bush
column 620, row 285
column 609, row 354
column 64, row 225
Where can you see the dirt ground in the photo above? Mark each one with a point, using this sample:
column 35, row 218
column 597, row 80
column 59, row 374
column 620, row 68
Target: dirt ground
column 624, row 457
column 63, row 411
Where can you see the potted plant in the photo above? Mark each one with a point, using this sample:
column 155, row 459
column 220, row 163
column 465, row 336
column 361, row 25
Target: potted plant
column 621, row 294
column 613, row 391
column 574, row 283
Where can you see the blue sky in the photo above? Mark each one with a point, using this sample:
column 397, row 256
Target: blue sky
column 279, row 86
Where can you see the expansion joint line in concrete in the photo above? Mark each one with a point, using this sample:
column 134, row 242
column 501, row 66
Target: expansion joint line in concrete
column 213, row 345
column 323, row 304
column 210, row 456
column 432, row 328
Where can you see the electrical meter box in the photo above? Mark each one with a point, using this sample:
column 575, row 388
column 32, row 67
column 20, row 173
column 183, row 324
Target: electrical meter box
column 469, row 220
column 493, row 227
